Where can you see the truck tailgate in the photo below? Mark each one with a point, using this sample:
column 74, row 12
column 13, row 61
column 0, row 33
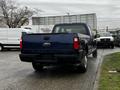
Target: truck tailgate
column 48, row 43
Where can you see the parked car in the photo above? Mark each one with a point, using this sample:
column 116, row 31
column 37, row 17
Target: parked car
column 105, row 39
column 117, row 38
column 68, row 44
column 10, row 37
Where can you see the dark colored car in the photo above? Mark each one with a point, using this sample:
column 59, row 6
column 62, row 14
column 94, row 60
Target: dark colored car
column 117, row 38
column 68, row 44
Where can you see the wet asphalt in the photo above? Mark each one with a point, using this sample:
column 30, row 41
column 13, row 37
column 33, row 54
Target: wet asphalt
column 17, row 75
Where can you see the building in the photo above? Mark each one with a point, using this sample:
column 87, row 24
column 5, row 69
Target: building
column 45, row 24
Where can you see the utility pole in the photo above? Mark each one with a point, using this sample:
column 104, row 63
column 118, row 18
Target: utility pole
column 106, row 28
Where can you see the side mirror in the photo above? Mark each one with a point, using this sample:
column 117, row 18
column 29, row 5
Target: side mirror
column 97, row 36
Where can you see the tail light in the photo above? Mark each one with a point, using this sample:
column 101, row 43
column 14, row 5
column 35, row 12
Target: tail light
column 76, row 43
column 21, row 43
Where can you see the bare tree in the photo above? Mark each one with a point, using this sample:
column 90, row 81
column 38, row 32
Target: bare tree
column 14, row 15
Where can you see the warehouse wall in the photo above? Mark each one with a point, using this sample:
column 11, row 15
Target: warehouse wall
column 90, row 19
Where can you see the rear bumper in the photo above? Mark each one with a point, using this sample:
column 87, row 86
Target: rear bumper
column 52, row 59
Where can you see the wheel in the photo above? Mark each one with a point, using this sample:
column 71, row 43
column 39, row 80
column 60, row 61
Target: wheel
column 82, row 68
column 37, row 66
column 94, row 54
column 112, row 46
column 1, row 47
column 118, row 44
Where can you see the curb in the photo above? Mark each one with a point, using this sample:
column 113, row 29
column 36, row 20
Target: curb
column 95, row 86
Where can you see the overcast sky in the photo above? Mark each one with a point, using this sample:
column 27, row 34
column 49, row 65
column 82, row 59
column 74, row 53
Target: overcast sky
column 108, row 11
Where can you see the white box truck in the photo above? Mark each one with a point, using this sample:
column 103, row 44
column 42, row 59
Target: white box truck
column 10, row 37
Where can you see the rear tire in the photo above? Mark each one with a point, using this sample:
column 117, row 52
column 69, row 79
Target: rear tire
column 118, row 44
column 112, row 46
column 82, row 68
column 37, row 66
column 94, row 54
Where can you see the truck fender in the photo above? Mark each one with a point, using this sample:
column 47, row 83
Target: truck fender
column 84, row 45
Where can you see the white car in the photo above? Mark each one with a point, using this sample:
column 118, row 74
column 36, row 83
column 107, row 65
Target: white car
column 105, row 39
column 10, row 37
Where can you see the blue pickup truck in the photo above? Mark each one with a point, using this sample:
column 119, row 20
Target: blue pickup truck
column 68, row 44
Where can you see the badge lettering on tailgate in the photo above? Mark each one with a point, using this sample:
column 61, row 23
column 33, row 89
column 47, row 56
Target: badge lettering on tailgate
column 46, row 44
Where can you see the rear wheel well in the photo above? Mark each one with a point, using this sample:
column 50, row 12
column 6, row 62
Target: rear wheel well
column 86, row 49
column 84, row 46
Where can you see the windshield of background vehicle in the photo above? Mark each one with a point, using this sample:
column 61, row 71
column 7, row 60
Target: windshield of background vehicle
column 105, row 35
